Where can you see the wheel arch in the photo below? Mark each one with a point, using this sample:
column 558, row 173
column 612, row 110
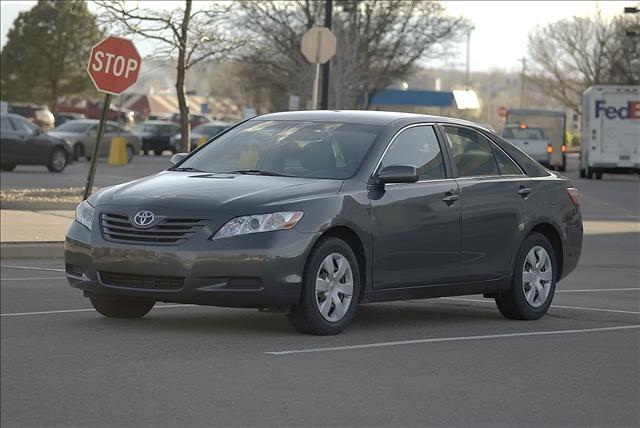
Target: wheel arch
column 354, row 241
column 552, row 234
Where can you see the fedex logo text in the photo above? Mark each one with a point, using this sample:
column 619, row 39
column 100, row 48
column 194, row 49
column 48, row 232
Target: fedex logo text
column 630, row 111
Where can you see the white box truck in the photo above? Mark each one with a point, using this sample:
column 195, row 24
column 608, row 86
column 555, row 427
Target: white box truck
column 610, row 137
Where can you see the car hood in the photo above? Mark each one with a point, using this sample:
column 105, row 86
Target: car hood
column 234, row 194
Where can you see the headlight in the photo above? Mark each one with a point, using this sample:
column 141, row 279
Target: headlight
column 259, row 223
column 84, row 214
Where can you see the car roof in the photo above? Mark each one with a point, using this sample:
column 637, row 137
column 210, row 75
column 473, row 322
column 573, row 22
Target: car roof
column 92, row 121
column 365, row 117
column 157, row 122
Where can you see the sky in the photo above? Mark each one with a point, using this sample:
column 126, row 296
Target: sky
column 498, row 41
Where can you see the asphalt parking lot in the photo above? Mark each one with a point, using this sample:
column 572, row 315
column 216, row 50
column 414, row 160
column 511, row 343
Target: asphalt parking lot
column 75, row 175
column 441, row 362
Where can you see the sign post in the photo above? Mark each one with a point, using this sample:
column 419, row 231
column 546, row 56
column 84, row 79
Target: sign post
column 114, row 65
column 318, row 46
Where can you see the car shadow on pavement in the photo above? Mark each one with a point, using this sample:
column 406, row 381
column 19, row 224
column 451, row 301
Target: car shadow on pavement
column 373, row 317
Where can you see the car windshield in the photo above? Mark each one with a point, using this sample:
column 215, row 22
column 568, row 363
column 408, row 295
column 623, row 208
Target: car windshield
column 74, row 127
column 523, row 133
column 290, row 148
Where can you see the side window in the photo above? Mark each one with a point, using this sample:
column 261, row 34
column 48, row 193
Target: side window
column 505, row 164
column 471, row 152
column 419, row 147
column 110, row 128
column 24, row 126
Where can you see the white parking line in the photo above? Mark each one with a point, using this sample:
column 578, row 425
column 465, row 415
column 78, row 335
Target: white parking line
column 450, row 339
column 68, row 311
column 31, row 268
column 553, row 306
column 33, row 278
column 587, row 290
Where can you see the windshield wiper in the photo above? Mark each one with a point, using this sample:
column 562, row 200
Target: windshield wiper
column 186, row 168
column 256, row 172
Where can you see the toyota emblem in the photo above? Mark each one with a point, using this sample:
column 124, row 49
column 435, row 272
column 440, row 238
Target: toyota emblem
column 143, row 218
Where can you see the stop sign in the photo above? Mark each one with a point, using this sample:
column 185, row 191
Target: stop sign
column 114, row 65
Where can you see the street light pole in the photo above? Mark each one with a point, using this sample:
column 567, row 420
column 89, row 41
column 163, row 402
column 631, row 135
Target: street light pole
column 466, row 78
column 328, row 14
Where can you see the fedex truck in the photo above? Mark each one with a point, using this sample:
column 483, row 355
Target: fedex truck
column 610, row 137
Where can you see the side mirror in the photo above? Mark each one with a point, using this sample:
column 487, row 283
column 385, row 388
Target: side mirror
column 177, row 158
column 397, row 174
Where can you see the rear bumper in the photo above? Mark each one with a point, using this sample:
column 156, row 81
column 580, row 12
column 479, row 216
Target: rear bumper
column 572, row 247
column 258, row 270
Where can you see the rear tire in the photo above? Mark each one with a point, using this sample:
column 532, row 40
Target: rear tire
column 122, row 307
column 598, row 175
column 57, row 160
column 530, row 300
column 157, row 152
column 330, row 289
column 8, row 167
column 583, row 173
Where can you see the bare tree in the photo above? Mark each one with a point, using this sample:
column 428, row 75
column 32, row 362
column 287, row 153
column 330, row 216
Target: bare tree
column 570, row 55
column 378, row 42
column 188, row 35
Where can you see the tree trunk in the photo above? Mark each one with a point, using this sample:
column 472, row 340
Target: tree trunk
column 185, row 128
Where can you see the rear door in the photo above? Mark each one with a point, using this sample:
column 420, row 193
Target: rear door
column 416, row 226
column 495, row 209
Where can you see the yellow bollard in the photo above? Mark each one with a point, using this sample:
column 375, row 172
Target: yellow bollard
column 201, row 141
column 118, row 151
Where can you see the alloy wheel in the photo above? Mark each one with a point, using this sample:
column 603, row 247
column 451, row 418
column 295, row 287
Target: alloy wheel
column 537, row 275
column 334, row 287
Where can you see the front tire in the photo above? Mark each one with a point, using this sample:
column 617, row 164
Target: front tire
column 533, row 283
column 57, row 160
column 122, row 307
column 330, row 290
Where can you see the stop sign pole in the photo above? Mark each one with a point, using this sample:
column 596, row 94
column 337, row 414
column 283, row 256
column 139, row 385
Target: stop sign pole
column 318, row 46
column 114, row 65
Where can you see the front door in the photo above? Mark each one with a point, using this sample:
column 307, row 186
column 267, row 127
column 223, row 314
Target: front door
column 416, row 235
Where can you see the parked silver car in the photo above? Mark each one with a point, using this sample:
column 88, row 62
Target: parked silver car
column 82, row 135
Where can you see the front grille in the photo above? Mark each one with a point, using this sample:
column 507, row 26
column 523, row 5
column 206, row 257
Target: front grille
column 118, row 228
column 153, row 282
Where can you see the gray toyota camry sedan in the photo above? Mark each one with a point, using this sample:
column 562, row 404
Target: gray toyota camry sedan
column 313, row 213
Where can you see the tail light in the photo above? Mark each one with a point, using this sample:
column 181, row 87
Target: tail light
column 574, row 195
column 549, row 148
column 564, row 148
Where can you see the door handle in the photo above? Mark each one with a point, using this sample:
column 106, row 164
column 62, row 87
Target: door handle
column 450, row 198
column 524, row 192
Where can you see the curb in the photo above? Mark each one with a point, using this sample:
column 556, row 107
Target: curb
column 31, row 250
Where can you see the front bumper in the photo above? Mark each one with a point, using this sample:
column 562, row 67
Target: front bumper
column 253, row 271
